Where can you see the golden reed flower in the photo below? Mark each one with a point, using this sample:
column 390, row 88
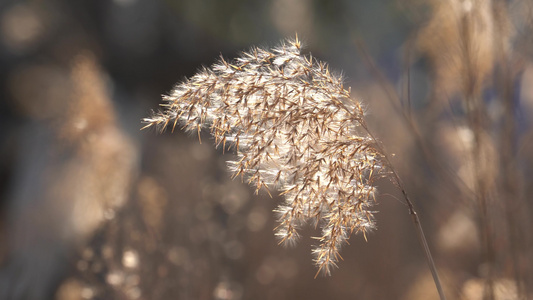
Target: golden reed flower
column 295, row 129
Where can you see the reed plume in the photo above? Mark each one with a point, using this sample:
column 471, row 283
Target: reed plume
column 295, row 129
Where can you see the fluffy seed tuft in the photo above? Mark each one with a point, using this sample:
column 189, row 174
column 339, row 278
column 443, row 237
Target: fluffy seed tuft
column 294, row 128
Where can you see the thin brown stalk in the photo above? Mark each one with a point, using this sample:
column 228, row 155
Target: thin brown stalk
column 476, row 112
column 416, row 222
column 295, row 129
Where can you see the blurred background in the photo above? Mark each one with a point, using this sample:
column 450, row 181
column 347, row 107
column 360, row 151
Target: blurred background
column 93, row 208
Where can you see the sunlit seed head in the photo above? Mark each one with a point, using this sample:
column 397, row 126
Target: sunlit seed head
column 294, row 129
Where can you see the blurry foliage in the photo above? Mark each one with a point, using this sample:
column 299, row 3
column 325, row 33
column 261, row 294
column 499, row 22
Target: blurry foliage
column 91, row 208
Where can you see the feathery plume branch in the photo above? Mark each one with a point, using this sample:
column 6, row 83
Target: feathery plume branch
column 295, row 129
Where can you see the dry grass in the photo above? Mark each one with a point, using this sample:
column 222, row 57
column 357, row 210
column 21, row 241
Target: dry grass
column 294, row 128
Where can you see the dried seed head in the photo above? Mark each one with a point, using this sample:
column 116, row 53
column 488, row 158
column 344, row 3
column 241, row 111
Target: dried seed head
column 459, row 41
column 295, row 129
